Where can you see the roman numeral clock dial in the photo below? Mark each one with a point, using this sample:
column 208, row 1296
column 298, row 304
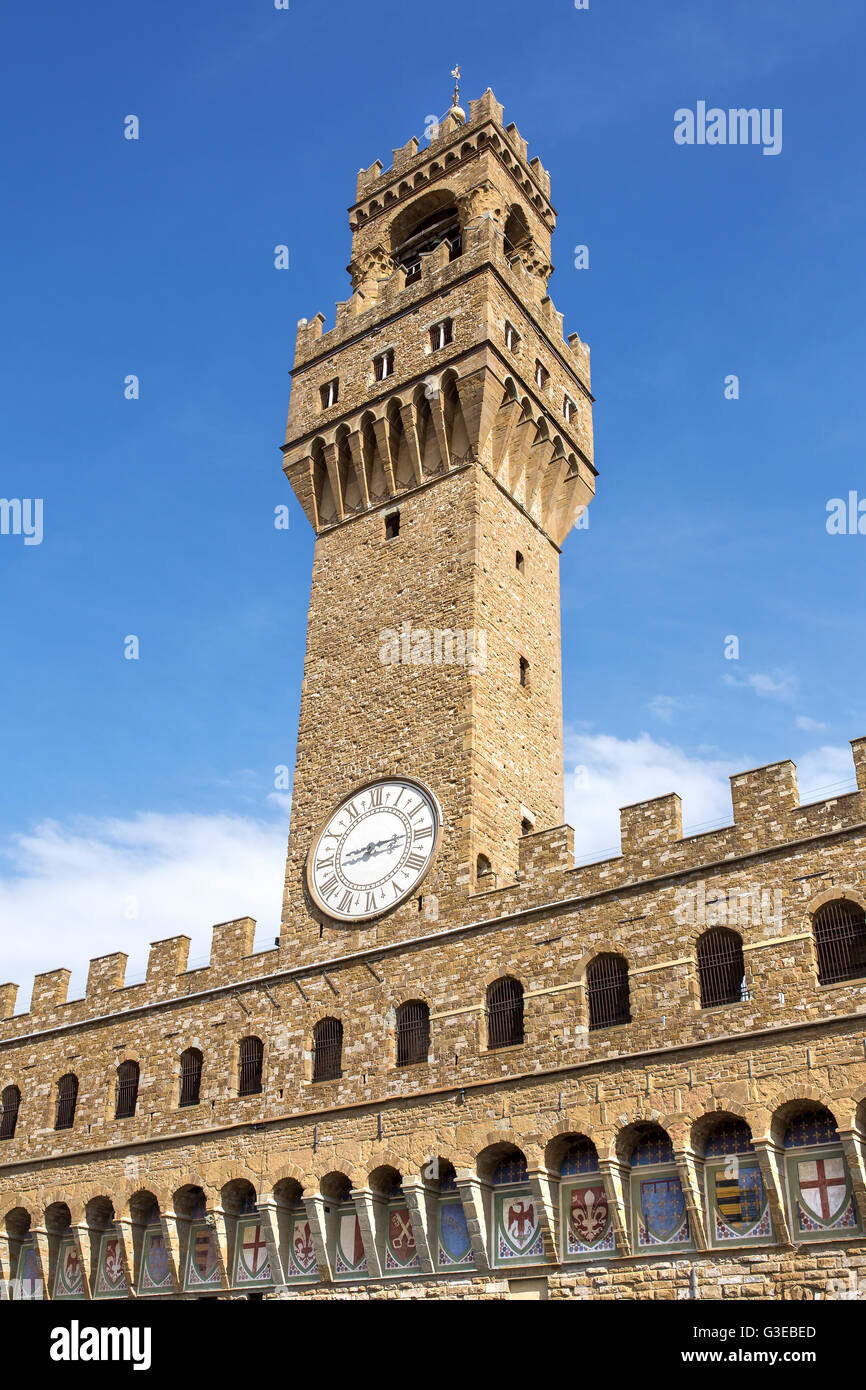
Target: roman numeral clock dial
column 374, row 849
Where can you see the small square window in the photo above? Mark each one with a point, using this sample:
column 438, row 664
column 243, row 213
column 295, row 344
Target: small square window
column 330, row 393
column 512, row 338
column 383, row 365
column 392, row 525
column 542, row 375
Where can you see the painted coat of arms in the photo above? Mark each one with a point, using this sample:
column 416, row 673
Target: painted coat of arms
column 202, row 1266
column 400, row 1252
column 824, row 1197
column 155, row 1273
column 741, row 1203
column 110, row 1274
column 301, row 1262
column 350, row 1257
column 29, row 1279
column 663, row 1212
column 252, row 1264
column 589, row 1213
column 518, row 1230
column 455, row 1247
column 68, row 1281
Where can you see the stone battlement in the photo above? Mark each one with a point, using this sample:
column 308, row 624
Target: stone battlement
column 768, row 816
column 375, row 180
column 391, row 295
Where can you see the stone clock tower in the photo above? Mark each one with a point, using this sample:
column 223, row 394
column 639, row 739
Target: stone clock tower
column 440, row 442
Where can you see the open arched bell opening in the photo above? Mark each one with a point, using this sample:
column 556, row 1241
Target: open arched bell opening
column 430, row 220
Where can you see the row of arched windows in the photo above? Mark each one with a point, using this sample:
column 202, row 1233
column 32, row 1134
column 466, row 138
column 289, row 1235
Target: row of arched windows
column 840, row 940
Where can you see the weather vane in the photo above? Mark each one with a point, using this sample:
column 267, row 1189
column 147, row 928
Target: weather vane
column 455, row 73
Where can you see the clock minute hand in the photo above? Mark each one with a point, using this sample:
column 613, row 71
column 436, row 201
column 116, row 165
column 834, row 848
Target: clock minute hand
column 374, row 847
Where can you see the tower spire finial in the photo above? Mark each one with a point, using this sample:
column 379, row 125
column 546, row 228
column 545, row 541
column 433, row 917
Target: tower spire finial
column 455, row 73
column 456, row 109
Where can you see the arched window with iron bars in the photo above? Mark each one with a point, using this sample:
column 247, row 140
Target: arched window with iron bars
column 607, row 991
column 11, row 1100
column 413, row 1032
column 505, row 1013
column 67, row 1098
column 127, row 1090
column 328, row 1050
column 250, row 1057
column 191, row 1061
column 840, row 941
column 721, row 969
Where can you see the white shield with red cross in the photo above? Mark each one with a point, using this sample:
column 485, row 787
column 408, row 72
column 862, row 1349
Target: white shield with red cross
column 823, row 1186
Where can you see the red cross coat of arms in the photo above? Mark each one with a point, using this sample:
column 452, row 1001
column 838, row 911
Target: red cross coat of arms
column 588, row 1215
column 822, row 1186
column 255, row 1252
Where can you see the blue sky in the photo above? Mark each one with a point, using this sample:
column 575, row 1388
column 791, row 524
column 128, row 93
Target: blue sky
column 139, row 796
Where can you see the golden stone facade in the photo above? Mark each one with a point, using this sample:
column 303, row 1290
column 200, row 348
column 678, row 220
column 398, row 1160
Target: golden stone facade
column 642, row 1117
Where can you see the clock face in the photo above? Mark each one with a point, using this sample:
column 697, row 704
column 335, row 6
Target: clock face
column 374, row 849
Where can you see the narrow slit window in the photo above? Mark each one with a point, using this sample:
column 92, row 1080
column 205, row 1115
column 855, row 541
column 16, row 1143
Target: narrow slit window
column 392, row 526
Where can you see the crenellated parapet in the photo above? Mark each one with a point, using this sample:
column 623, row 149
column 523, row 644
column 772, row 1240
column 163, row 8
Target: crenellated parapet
column 767, row 817
column 451, row 140
column 167, row 974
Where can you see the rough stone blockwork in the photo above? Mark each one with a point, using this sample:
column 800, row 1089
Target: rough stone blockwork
column 639, row 1078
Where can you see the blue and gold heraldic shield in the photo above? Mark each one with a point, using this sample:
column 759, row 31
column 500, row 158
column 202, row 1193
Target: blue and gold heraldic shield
column 662, row 1217
column 68, row 1279
column 455, row 1247
column 202, row 1259
column 154, row 1275
column 739, row 1204
column 252, row 1263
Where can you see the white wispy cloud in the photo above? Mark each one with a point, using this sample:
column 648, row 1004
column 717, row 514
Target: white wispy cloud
column 810, row 725
column 778, row 685
column 664, row 707
column 70, row 892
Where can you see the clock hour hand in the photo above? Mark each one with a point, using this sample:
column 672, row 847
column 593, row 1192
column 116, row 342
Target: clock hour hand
column 374, row 847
